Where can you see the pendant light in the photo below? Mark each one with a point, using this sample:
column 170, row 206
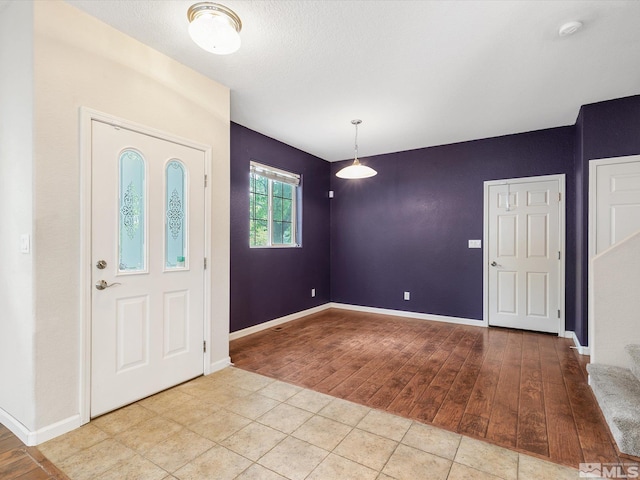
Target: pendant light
column 214, row 27
column 356, row 169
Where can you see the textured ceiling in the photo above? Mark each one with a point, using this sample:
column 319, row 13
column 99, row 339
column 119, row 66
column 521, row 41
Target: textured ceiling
column 418, row 73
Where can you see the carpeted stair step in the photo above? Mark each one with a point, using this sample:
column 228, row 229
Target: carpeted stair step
column 634, row 353
column 618, row 393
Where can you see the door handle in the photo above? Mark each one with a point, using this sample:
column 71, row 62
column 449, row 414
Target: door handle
column 494, row 264
column 102, row 284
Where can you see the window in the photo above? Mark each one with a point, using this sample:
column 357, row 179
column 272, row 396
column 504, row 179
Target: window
column 273, row 207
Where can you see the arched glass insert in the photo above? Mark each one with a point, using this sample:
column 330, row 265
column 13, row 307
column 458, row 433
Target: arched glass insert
column 132, row 225
column 175, row 215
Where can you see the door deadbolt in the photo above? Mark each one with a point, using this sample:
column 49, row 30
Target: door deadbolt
column 101, row 264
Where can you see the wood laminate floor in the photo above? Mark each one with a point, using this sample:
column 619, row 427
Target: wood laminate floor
column 18, row 462
column 521, row 390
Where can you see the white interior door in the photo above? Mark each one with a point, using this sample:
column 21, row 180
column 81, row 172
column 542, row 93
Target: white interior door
column 523, row 252
column 617, row 201
column 148, row 265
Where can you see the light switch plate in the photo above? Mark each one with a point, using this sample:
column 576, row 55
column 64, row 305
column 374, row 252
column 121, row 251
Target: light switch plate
column 475, row 243
column 25, row 243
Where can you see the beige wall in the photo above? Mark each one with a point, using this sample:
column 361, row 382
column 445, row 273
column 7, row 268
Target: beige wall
column 16, row 160
column 79, row 61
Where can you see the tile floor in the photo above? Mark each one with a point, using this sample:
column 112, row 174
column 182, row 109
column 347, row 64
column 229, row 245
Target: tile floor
column 234, row 424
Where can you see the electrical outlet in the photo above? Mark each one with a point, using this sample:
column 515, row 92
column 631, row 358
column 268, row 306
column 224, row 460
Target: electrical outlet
column 407, row 296
column 313, row 292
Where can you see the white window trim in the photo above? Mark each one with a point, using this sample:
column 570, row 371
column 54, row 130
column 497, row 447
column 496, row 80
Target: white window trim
column 275, row 174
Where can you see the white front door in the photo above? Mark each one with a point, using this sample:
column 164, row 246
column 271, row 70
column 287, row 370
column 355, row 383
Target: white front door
column 617, row 201
column 523, row 254
column 148, row 265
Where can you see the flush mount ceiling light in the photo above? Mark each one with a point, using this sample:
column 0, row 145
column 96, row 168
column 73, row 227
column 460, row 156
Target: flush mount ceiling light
column 356, row 169
column 214, row 27
column 569, row 28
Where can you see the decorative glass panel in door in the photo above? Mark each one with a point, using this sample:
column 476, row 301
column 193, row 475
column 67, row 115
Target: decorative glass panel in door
column 175, row 216
column 132, row 224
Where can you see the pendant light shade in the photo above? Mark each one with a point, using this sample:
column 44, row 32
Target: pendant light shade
column 356, row 169
column 214, row 28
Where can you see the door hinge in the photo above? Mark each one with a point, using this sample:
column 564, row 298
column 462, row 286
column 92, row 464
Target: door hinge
column 205, row 181
column 204, row 346
column 558, row 255
column 559, row 196
column 558, row 313
column 205, row 263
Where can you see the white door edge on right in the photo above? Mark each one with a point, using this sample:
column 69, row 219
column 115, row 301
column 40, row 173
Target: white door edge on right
column 614, row 206
column 524, row 253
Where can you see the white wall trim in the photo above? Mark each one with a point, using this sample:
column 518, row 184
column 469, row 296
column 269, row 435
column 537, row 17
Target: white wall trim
column 219, row 365
column 277, row 321
column 31, row 438
column 561, row 179
column 86, row 116
column 593, row 203
column 572, row 335
column 407, row 314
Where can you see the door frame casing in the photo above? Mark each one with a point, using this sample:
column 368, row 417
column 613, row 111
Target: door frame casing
column 561, row 179
column 87, row 116
column 592, row 231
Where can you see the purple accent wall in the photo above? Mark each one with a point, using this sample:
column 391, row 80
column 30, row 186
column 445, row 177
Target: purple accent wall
column 271, row 283
column 603, row 130
column 407, row 228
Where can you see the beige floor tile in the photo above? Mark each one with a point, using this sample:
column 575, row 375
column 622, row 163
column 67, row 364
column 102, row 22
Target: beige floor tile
column 254, row 440
column 530, row 468
column 258, row 472
column 285, row 418
column 220, row 425
column 280, row 391
column 366, row 448
column 95, row 460
column 293, row 458
column 462, row 472
column 178, row 450
column 336, row 467
column 432, row 440
column 70, row 443
column 383, row 476
column 148, row 433
column 191, row 412
column 163, row 401
column 122, row 419
column 344, row 411
column 135, row 468
column 252, row 406
column 385, row 424
column 310, row 400
column 322, row 432
column 217, row 463
column 250, row 381
column 408, row 463
column 488, row 458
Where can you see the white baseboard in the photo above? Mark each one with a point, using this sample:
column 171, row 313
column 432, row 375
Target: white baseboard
column 581, row 350
column 31, row 438
column 219, row 365
column 277, row 321
column 404, row 313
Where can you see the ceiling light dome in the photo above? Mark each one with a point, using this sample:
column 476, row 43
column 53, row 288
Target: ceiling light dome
column 214, row 27
column 356, row 169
